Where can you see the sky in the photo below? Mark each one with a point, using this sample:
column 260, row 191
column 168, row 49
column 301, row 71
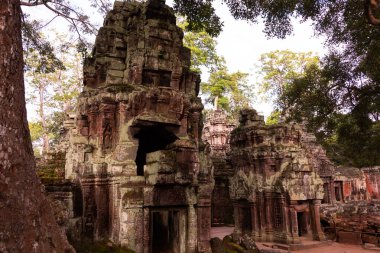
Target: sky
column 241, row 44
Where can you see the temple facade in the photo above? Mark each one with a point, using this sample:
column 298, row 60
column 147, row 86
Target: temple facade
column 276, row 188
column 135, row 147
column 216, row 132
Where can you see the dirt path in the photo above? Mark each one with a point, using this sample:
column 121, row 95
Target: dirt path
column 334, row 248
column 337, row 248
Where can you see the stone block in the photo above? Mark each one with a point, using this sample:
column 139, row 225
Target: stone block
column 115, row 73
column 349, row 237
column 370, row 238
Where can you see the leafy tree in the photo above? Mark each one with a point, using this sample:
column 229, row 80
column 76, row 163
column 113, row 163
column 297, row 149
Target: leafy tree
column 346, row 123
column 200, row 15
column 274, row 117
column 277, row 69
column 203, row 48
column 228, row 91
column 52, row 87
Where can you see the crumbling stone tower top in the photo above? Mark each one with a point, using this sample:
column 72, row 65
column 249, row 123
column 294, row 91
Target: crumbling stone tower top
column 139, row 44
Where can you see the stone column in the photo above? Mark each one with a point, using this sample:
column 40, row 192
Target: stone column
column 316, row 220
column 255, row 221
column 294, row 222
column 286, row 226
column 332, row 191
column 269, row 216
column 237, row 218
column 147, row 233
column 204, row 225
column 192, row 229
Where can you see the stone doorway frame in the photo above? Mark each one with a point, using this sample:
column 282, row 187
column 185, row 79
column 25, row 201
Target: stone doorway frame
column 182, row 219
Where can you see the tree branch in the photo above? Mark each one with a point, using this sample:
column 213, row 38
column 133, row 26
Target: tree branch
column 35, row 3
column 73, row 19
column 48, row 22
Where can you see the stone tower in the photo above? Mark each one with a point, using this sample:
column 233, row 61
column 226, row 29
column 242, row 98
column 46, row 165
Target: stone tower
column 216, row 133
column 276, row 188
column 135, row 146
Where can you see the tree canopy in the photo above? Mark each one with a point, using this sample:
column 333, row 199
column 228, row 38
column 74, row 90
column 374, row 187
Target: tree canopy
column 228, row 91
column 277, row 69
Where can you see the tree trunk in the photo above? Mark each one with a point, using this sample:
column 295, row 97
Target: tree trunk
column 45, row 135
column 27, row 223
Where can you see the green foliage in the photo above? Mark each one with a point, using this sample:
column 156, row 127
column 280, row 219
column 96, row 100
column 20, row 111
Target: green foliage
column 345, row 123
column 274, row 118
column 35, row 130
column 44, row 58
column 228, row 91
column 203, row 48
column 277, row 69
column 51, row 89
column 200, row 16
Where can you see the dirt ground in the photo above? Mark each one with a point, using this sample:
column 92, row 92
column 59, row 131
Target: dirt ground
column 337, row 248
column 334, row 248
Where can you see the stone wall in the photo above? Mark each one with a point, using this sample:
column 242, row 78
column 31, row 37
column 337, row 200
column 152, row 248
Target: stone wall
column 372, row 179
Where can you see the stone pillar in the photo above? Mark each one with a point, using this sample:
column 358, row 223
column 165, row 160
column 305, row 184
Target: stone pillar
column 316, row 220
column 332, row 191
column 255, row 221
column 269, row 216
column 237, row 218
column 294, row 222
column 204, row 225
column 285, row 220
column 192, row 228
column 115, row 202
column 146, row 230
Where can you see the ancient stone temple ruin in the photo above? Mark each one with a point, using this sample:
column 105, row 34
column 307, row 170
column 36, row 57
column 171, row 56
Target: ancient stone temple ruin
column 276, row 189
column 139, row 172
column 135, row 142
column 216, row 133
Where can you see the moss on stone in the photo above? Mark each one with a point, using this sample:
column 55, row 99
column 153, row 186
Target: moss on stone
column 88, row 246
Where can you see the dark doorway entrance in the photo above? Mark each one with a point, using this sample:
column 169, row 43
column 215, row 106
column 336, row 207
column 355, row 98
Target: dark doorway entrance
column 338, row 191
column 165, row 232
column 326, row 196
column 302, row 224
column 245, row 217
column 151, row 138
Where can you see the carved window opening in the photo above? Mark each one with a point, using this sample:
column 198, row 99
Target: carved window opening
column 326, row 196
column 154, row 78
column 277, row 210
column 152, row 138
column 338, row 186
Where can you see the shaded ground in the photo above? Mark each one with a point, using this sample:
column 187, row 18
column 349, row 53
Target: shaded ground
column 334, row 248
column 337, row 248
